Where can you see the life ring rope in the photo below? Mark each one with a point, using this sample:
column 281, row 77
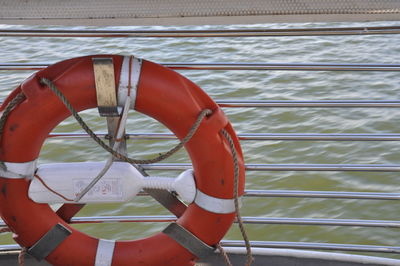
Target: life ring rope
column 101, row 143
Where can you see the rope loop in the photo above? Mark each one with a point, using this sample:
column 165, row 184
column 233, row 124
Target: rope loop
column 250, row 258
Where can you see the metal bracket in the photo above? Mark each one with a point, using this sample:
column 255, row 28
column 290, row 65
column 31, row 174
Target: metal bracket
column 168, row 200
column 103, row 69
column 189, row 241
column 112, row 126
column 107, row 97
column 49, row 242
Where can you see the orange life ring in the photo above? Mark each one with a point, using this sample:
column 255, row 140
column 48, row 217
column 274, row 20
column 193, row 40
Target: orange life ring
column 162, row 94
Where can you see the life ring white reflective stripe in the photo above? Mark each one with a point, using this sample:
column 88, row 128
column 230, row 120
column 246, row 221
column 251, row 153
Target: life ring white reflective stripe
column 131, row 66
column 18, row 170
column 105, row 252
column 215, row 205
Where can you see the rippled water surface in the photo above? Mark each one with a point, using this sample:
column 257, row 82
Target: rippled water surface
column 254, row 85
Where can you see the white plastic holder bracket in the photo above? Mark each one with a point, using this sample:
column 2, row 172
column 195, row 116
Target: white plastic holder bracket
column 121, row 183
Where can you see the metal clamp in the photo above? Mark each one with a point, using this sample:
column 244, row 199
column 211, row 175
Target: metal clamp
column 107, row 97
column 105, row 86
column 49, row 242
column 189, row 241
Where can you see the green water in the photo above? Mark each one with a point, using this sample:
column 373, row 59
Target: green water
column 255, row 85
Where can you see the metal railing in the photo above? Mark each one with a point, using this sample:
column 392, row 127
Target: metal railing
column 259, row 136
column 247, row 136
column 290, row 167
column 239, row 66
column 246, row 220
column 202, row 33
column 315, row 246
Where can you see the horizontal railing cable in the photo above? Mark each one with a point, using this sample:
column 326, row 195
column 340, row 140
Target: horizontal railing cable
column 247, row 220
column 291, row 167
column 313, row 246
column 315, row 103
column 316, row 194
column 309, row 104
column 322, row 222
column 240, row 66
column 283, row 66
column 247, row 136
column 319, row 137
column 259, row 32
column 9, row 248
column 322, row 194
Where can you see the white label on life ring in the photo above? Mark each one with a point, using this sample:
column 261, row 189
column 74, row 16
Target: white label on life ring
column 105, row 251
column 135, row 70
column 18, row 170
column 215, row 205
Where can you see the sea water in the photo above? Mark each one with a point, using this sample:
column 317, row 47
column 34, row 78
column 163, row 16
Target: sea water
column 252, row 85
